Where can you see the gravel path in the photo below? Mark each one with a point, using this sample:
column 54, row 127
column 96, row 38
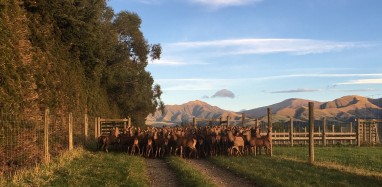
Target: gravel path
column 219, row 176
column 160, row 174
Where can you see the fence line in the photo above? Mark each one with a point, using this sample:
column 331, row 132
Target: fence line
column 362, row 131
column 25, row 143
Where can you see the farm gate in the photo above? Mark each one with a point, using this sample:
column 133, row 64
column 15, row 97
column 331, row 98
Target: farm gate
column 369, row 131
column 103, row 126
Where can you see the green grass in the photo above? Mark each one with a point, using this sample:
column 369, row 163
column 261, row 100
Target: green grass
column 335, row 166
column 187, row 175
column 85, row 168
column 365, row 158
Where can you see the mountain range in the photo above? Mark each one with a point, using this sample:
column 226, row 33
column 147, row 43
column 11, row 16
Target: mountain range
column 341, row 109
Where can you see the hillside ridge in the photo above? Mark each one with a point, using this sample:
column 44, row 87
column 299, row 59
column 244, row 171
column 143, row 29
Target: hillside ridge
column 343, row 109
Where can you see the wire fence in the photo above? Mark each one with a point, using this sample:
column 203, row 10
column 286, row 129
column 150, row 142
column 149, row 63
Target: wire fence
column 25, row 143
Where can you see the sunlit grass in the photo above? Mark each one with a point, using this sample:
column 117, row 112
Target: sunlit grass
column 84, row 168
column 187, row 175
column 335, row 166
column 366, row 158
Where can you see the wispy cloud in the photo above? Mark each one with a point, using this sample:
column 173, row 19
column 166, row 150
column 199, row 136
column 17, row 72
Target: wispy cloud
column 205, row 97
column 296, row 91
column 214, row 84
column 193, row 84
column 356, row 90
column 362, row 81
column 267, row 46
column 224, row 3
column 167, row 62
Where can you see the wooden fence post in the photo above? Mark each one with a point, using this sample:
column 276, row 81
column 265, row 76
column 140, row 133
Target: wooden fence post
column 129, row 121
column 258, row 124
column 351, row 130
column 364, row 132
column 46, row 137
column 95, row 128
column 333, row 131
column 311, row 132
column 370, row 133
column 86, row 124
column 291, row 132
column 70, row 131
column 124, row 124
column 324, row 131
column 194, row 122
column 228, row 123
column 99, row 126
column 269, row 111
column 243, row 119
column 358, row 133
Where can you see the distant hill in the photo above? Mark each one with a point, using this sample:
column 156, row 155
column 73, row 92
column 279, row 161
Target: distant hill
column 342, row 109
column 185, row 112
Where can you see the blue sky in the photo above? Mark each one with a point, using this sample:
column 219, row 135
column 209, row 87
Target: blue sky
column 244, row 54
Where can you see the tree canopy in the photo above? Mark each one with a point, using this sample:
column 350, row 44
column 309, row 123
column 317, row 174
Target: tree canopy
column 75, row 55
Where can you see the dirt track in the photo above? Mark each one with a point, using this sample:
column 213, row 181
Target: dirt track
column 219, row 176
column 160, row 174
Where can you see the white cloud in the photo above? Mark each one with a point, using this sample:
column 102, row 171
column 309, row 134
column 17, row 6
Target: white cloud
column 267, row 46
column 362, row 81
column 224, row 3
column 224, row 93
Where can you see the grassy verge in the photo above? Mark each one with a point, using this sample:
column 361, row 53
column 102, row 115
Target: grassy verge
column 84, row 168
column 363, row 158
column 187, row 175
column 334, row 167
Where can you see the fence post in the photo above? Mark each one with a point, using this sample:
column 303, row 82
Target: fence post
column 194, row 122
column 358, row 134
column 70, row 131
column 228, row 124
column 364, row 132
column 370, row 133
column 95, row 128
column 351, row 130
column 269, row 111
column 46, row 137
column 99, row 126
column 311, row 132
column 243, row 119
column 291, row 132
column 257, row 123
column 333, row 134
column 86, row 125
column 324, row 131
column 129, row 121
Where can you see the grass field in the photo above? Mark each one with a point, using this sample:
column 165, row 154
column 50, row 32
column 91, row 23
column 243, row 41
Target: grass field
column 335, row 166
column 85, row 168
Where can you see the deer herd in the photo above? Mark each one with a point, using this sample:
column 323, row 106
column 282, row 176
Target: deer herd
column 192, row 142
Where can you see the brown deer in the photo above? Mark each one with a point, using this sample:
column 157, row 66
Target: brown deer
column 263, row 141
